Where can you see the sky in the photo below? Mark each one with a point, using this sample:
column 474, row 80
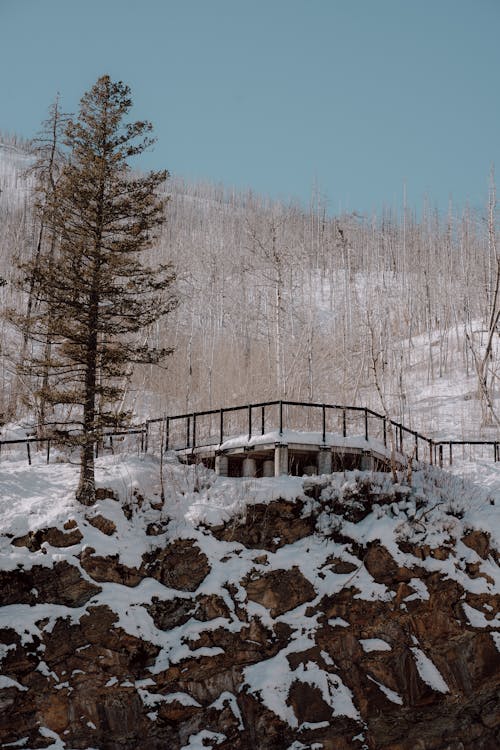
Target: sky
column 366, row 103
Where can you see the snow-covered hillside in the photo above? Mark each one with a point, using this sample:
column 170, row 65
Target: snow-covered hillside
column 278, row 613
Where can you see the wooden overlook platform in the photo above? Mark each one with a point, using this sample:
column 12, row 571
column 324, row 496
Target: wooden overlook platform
column 281, row 437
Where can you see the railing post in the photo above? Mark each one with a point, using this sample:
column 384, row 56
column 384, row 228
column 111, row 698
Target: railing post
column 263, row 421
column 194, row 431
column 146, row 442
column 440, row 455
column 323, row 419
column 430, row 452
column 48, row 451
column 167, row 433
column 249, row 422
column 416, row 447
column 281, row 417
column 401, row 438
column 366, row 425
column 29, row 453
column 188, row 431
column 221, row 426
column 344, row 423
column 451, row 454
column 495, row 451
column 385, row 432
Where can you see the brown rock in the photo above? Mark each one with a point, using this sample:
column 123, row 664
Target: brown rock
column 206, row 685
column 33, row 540
column 250, row 645
column 342, row 645
column 490, row 714
column 109, row 569
column 339, row 566
column 171, row 613
column 266, row 731
column 57, row 538
column 55, row 710
column 180, row 566
column 260, row 560
column 62, row 584
column 280, row 590
column 382, row 566
column 402, row 592
column 295, row 658
column 105, row 493
column 308, row 703
column 268, row 527
column 105, row 525
column 487, row 604
column 422, row 552
column 441, row 553
column 479, row 541
column 208, row 607
column 176, row 712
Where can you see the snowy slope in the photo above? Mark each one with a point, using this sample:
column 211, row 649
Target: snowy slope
column 437, row 513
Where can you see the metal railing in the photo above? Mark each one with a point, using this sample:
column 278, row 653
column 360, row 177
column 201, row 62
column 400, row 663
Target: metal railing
column 47, row 443
column 211, row 428
column 196, row 430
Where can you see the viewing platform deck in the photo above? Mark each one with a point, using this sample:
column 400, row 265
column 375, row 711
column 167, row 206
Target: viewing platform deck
column 291, row 452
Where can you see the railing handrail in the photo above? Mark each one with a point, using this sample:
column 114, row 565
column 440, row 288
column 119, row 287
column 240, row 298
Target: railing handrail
column 192, row 419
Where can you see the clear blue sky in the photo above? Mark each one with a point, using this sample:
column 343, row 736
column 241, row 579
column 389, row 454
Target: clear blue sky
column 357, row 97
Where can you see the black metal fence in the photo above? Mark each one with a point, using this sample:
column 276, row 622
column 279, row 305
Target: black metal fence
column 215, row 426
column 108, row 442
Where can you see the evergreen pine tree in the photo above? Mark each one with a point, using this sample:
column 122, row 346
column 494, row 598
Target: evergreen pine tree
column 98, row 292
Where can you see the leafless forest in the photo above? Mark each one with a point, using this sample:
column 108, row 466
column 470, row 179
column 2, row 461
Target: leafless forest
column 285, row 301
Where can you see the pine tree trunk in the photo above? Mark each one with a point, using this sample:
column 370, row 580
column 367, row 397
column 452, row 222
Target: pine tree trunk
column 85, row 493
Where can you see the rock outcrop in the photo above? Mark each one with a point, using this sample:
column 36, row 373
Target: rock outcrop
column 340, row 621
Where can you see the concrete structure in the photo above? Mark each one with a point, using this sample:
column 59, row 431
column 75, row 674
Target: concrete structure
column 293, row 453
column 324, row 461
column 221, row 464
column 280, row 459
column 249, row 468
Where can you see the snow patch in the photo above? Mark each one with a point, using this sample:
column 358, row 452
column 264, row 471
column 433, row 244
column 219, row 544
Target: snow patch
column 374, row 644
column 428, row 671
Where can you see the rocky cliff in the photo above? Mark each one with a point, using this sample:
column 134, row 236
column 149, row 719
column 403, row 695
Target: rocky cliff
column 340, row 612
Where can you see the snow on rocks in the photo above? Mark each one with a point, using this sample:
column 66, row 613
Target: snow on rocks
column 428, row 671
column 241, row 610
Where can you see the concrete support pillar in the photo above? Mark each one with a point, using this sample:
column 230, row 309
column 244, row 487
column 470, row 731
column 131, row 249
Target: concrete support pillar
column 324, row 461
column 249, row 468
column 268, row 468
column 221, row 465
column 367, row 462
column 280, row 459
